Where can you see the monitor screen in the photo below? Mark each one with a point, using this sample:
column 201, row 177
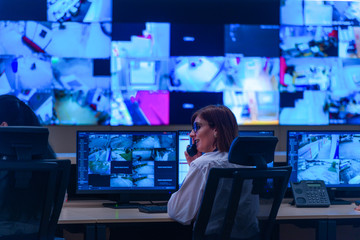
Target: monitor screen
column 184, row 140
column 131, row 164
column 331, row 156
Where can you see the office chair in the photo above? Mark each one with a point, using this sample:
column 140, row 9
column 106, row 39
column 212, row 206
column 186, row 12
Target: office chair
column 268, row 208
column 267, row 184
column 31, row 198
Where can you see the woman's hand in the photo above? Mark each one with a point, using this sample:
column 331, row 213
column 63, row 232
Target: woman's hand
column 190, row 159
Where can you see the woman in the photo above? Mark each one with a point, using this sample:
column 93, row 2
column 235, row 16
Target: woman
column 214, row 129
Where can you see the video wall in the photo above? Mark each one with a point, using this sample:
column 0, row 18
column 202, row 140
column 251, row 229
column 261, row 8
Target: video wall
column 114, row 62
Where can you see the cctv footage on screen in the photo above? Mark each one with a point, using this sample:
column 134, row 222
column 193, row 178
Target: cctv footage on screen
column 333, row 157
column 126, row 161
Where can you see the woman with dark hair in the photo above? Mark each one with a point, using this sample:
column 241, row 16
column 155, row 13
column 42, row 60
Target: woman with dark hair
column 14, row 112
column 214, row 129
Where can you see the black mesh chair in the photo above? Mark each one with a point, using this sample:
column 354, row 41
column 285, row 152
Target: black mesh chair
column 31, row 197
column 268, row 185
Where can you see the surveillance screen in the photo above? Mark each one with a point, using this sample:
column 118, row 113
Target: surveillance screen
column 126, row 160
column 69, row 39
column 314, row 12
column 333, row 157
column 79, row 10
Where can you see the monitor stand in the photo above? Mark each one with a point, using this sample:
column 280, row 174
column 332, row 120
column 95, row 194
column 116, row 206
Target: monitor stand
column 121, row 202
column 121, row 205
column 337, row 201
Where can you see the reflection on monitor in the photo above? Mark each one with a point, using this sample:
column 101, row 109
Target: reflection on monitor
column 184, row 140
column 132, row 165
column 331, row 156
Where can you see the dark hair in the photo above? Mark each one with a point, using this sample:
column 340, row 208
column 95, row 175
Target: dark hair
column 16, row 113
column 222, row 119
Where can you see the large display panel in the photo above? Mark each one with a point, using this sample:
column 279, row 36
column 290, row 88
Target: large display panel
column 122, row 67
column 331, row 156
column 129, row 165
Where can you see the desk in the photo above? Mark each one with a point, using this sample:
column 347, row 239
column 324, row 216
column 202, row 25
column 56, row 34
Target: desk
column 95, row 217
column 326, row 219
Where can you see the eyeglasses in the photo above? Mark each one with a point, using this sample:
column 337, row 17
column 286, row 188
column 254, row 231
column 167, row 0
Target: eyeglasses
column 196, row 127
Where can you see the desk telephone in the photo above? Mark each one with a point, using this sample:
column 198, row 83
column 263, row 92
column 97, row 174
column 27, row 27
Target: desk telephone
column 310, row 193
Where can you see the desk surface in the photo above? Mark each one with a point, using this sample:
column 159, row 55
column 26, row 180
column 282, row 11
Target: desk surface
column 290, row 212
column 75, row 212
column 92, row 211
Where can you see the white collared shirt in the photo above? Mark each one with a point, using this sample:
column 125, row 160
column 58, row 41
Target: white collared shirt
column 184, row 204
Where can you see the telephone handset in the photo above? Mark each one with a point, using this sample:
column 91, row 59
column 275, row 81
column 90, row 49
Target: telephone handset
column 310, row 193
column 192, row 150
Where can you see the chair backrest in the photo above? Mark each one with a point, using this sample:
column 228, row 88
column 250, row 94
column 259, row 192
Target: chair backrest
column 238, row 178
column 31, row 198
column 62, row 182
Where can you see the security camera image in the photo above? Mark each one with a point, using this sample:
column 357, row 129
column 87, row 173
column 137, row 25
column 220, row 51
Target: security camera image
column 295, row 12
column 295, row 110
column 121, row 141
column 132, row 181
column 349, row 42
column 332, row 157
column 156, row 141
column 309, row 41
column 165, row 154
column 79, row 10
column 143, row 167
column 143, row 154
column 69, row 39
column 253, row 107
column 300, row 74
column 121, row 154
column 148, row 40
column 139, row 108
column 130, row 159
column 30, row 79
column 198, row 74
column 345, row 109
column 140, row 74
column 80, row 97
column 25, row 72
column 99, row 161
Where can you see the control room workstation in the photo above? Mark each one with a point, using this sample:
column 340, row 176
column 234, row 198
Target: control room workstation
column 150, row 165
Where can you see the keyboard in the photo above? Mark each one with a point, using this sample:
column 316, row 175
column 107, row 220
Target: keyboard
column 153, row 208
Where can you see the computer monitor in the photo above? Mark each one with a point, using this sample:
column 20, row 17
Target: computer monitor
column 184, row 140
column 331, row 156
column 255, row 151
column 127, row 165
column 23, row 143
